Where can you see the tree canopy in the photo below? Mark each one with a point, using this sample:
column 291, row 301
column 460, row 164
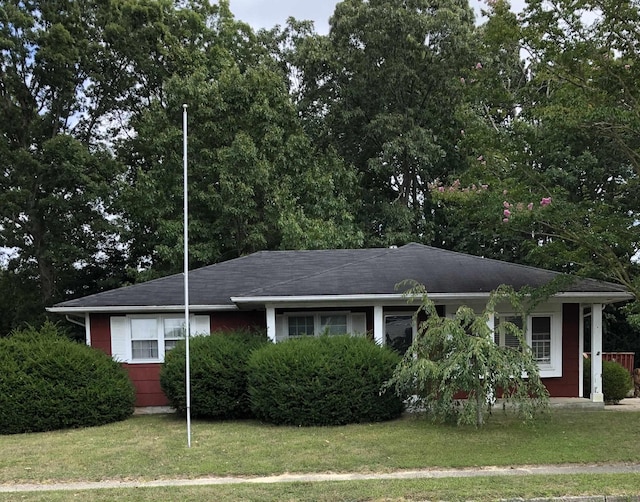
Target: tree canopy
column 514, row 136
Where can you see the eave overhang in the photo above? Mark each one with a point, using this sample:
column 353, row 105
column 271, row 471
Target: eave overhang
column 400, row 299
column 360, row 300
column 127, row 309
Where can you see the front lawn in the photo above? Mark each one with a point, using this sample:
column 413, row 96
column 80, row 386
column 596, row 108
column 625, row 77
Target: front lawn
column 153, row 447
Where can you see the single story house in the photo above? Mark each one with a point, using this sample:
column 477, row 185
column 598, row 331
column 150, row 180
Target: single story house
column 294, row 293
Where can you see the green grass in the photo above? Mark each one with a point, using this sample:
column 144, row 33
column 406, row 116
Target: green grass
column 154, row 447
column 489, row 488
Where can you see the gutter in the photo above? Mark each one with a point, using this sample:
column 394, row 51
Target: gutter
column 127, row 309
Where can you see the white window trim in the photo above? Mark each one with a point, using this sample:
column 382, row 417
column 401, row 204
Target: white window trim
column 316, row 321
column 554, row 368
column 160, row 331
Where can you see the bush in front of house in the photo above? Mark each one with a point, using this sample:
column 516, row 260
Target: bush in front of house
column 326, row 380
column 48, row 382
column 616, row 380
column 218, row 369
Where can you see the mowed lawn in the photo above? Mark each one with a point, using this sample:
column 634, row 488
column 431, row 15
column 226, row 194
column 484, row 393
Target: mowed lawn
column 154, row 447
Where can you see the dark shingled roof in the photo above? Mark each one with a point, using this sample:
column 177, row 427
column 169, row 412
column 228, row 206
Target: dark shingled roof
column 334, row 272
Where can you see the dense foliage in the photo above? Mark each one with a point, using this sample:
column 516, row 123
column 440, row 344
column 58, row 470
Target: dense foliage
column 327, row 380
column 616, row 380
column 218, row 365
column 48, row 382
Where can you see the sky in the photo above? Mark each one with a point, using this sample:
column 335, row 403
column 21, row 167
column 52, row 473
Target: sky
column 268, row 13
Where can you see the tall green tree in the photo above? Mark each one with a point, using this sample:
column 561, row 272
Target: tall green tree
column 570, row 149
column 583, row 102
column 71, row 76
column 55, row 186
column 385, row 88
column 256, row 181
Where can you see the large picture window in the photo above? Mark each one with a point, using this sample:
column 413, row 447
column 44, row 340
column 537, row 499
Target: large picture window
column 295, row 324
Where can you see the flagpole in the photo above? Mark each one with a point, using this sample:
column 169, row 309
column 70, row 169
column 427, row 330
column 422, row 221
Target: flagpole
column 187, row 331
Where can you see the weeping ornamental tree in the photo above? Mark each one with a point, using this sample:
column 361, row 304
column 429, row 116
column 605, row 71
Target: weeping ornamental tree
column 454, row 357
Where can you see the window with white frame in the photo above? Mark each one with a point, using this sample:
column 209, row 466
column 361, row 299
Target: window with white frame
column 541, row 338
column 301, row 325
column 335, row 324
column 502, row 336
column 151, row 337
column 144, row 338
column 173, row 329
column 543, row 334
column 295, row 324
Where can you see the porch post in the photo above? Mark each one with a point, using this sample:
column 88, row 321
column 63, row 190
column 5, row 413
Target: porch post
column 581, row 389
column 271, row 324
column 378, row 324
column 87, row 329
column 596, row 353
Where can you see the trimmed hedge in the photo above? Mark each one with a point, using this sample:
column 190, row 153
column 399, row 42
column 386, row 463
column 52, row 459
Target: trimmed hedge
column 326, row 380
column 48, row 382
column 616, row 380
column 218, row 365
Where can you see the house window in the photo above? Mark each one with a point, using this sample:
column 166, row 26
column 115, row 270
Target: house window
column 173, row 331
column 398, row 332
column 319, row 323
column 301, row 325
column 151, row 337
column 502, row 337
column 541, row 339
column 144, row 338
column 543, row 334
column 333, row 324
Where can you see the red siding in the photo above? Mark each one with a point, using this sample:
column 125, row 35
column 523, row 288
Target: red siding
column 568, row 384
column 228, row 321
column 146, row 379
column 100, row 332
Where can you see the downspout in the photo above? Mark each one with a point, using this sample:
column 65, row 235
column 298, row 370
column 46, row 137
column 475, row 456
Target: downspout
column 84, row 323
column 74, row 321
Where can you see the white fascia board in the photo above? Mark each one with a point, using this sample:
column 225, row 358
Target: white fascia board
column 352, row 299
column 366, row 299
column 125, row 309
column 594, row 297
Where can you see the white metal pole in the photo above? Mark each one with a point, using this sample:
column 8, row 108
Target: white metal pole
column 187, row 331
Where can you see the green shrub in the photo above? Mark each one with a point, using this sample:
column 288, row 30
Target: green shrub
column 218, row 368
column 48, row 382
column 327, row 380
column 616, row 380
